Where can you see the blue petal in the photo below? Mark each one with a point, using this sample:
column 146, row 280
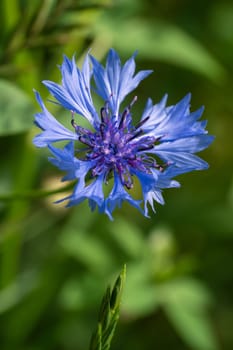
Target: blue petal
column 171, row 123
column 92, row 192
column 74, row 93
column 151, row 187
column 52, row 130
column 155, row 112
column 180, row 152
column 183, row 159
column 188, row 144
column 115, row 81
column 117, row 196
column 66, row 161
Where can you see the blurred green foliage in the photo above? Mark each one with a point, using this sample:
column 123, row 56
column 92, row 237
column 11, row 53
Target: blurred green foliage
column 54, row 262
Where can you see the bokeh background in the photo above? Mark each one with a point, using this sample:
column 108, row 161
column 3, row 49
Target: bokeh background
column 55, row 263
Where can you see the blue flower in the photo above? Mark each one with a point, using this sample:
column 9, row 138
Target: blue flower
column 107, row 157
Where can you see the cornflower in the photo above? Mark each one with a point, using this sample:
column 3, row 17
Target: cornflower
column 113, row 151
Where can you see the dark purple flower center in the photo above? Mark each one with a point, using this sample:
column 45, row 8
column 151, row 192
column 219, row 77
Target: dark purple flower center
column 117, row 146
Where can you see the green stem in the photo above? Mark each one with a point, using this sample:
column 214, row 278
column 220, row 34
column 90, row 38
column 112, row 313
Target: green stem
column 34, row 193
column 24, row 171
column 10, row 10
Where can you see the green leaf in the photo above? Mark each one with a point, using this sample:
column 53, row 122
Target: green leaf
column 161, row 41
column 78, row 18
column 29, row 311
column 185, row 302
column 140, row 297
column 191, row 292
column 128, row 237
column 141, row 301
column 87, row 249
column 16, row 109
column 194, row 327
column 14, row 293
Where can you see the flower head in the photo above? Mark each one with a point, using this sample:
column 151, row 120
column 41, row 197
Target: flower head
column 159, row 147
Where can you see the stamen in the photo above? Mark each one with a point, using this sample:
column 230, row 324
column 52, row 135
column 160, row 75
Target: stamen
column 104, row 115
column 102, row 127
column 54, row 102
column 143, row 121
column 133, row 101
column 126, row 113
column 123, row 118
column 161, row 167
column 129, row 182
column 126, row 178
column 85, row 140
column 106, row 105
column 80, row 130
column 145, row 148
column 135, row 135
column 72, row 120
column 81, row 150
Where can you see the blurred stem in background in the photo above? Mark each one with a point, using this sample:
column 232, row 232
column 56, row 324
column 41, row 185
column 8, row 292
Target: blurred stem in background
column 24, row 173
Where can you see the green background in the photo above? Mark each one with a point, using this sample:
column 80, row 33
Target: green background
column 55, row 263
